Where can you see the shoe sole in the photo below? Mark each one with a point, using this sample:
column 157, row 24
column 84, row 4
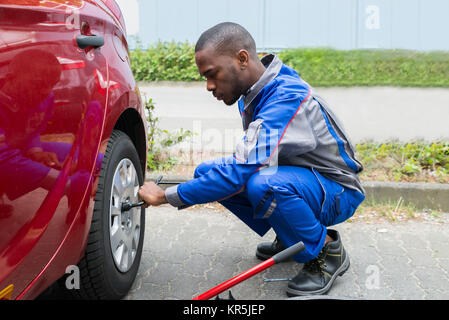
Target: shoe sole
column 262, row 256
column 340, row 271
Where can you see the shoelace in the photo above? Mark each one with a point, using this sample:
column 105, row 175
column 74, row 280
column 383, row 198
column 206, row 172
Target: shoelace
column 317, row 264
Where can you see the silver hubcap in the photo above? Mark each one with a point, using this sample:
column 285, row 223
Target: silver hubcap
column 124, row 227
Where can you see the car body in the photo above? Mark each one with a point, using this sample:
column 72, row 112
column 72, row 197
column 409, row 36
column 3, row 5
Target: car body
column 60, row 104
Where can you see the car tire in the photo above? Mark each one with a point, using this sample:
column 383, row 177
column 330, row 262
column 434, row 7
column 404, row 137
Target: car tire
column 102, row 274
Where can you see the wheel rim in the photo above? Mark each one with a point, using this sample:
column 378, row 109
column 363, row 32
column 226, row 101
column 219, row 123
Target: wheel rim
column 124, row 227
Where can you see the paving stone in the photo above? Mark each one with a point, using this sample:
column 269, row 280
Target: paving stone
column 436, row 295
column 388, row 247
column 148, row 291
column 412, row 240
column 440, row 249
column 420, row 257
column 183, row 287
column 190, row 251
column 431, row 278
column 404, row 287
column 444, row 264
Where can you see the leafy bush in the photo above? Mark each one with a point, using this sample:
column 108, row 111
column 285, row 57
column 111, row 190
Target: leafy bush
column 169, row 61
column 414, row 161
column 327, row 67
column 175, row 61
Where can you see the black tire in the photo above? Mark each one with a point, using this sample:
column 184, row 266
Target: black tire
column 100, row 277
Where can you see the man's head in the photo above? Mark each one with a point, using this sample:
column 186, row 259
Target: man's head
column 32, row 74
column 226, row 55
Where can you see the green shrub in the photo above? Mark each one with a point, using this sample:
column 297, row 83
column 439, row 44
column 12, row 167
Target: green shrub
column 165, row 61
column 175, row 61
column 413, row 161
column 328, row 67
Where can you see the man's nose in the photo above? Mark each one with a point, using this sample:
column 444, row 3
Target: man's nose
column 210, row 85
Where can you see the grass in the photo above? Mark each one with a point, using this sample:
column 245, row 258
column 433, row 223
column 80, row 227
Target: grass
column 373, row 211
column 399, row 211
column 405, row 162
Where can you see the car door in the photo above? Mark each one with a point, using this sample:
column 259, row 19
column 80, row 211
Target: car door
column 53, row 93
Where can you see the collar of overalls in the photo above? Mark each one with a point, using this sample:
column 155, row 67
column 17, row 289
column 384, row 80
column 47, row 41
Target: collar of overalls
column 273, row 66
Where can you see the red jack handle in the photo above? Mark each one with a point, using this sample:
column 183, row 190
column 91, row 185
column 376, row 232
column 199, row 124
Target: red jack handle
column 278, row 258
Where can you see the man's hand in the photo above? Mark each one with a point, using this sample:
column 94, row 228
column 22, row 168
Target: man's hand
column 152, row 194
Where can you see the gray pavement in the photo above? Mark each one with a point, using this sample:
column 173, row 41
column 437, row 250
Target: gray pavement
column 190, row 251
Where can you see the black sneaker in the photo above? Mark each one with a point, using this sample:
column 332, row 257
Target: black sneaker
column 318, row 275
column 266, row 250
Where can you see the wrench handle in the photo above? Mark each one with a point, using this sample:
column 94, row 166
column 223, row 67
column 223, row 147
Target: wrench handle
column 138, row 204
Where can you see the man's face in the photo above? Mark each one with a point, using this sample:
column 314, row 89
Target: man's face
column 223, row 75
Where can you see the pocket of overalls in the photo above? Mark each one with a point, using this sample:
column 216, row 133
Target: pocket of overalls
column 346, row 203
column 334, row 210
column 266, row 205
column 343, row 207
column 275, row 196
column 331, row 209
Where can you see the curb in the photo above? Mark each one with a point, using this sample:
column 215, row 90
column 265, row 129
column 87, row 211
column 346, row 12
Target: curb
column 433, row 196
column 422, row 195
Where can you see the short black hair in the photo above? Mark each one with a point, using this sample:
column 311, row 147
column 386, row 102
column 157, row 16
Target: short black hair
column 227, row 38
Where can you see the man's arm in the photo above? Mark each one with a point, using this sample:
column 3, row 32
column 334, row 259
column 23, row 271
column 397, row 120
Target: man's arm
column 256, row 151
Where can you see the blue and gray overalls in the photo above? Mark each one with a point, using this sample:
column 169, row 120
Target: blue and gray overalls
column 294, row 170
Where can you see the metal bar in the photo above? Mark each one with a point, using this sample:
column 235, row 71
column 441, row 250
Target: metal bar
column 277, row 279
column 237, row 279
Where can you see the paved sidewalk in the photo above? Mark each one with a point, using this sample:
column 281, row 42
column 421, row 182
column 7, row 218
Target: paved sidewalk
column 188, row 252
column 368, row 113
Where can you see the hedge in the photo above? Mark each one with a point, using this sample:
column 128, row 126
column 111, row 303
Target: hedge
column 174, row 61
column 165, row 61
column 327, row 67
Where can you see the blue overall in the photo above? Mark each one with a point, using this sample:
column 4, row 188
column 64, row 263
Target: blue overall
column 306, row 201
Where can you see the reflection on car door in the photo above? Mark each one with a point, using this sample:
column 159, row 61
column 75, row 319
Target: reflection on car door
column 52, row 104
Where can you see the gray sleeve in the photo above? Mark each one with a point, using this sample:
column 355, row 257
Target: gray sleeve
column 172, row 196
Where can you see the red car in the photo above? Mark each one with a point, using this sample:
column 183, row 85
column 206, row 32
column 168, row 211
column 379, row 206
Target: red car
column 72, row 150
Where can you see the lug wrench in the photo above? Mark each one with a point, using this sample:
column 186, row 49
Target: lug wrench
column 276, row 279
column 282, row 256
column 126, row 206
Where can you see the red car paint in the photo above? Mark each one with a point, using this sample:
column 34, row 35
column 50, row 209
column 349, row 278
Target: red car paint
column 58, row 107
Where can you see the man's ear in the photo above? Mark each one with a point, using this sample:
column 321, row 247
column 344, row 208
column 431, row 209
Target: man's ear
column 243, row 58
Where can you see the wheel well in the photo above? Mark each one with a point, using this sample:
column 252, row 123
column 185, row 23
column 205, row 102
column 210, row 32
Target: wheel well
column 130, row 123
